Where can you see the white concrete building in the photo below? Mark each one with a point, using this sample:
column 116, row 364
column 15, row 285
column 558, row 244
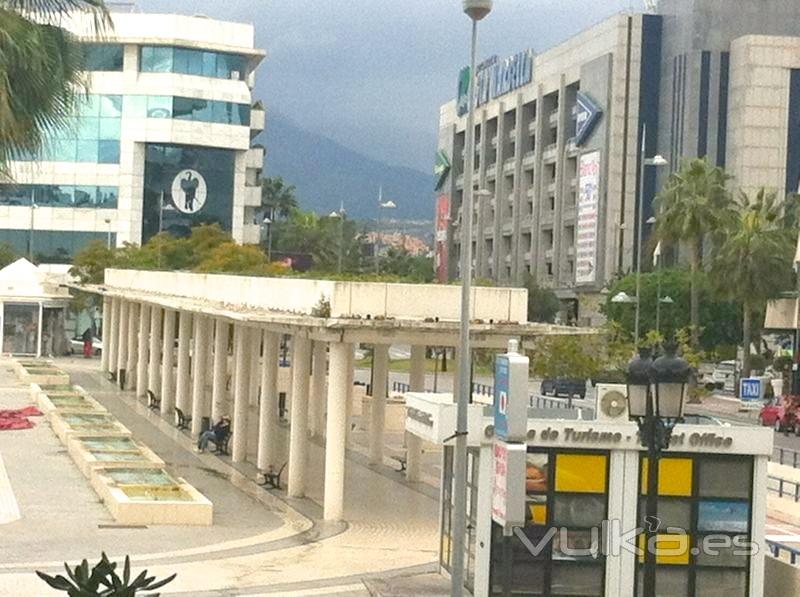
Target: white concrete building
column 170, row 114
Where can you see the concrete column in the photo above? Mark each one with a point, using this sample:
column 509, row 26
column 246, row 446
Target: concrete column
column 241, row 398
column 122, row 340
column 220, row 368
column 107, row 311
column 183, row 399
column 341, row 355
column 131, row 337
column 377, row 423
column 350, row 372
column 202, row 341
column 417, row 383
column 113, row 332
column 255, row 366
column 268, row 410
column 143, row 351
column 167, row 362
column 154, row 371
column 298, row 434
column 316, row 406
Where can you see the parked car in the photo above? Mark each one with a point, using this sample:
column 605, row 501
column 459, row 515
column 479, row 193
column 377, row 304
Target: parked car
column 724, row 376
column 781, row 414
column 76, row 344
column 563, row 386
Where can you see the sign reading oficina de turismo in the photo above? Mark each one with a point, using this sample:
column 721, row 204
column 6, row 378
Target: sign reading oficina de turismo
column 494, row 78
column 588, row 214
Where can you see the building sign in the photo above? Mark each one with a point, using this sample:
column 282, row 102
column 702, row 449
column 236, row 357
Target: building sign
column 442, row 169
column 196, row 184
column 588, row 216
column 189, row 191
column 494, row 78
column 508, row 489
column 441, row 247
column 511, row 395
column 587, row 115
column 751, row 388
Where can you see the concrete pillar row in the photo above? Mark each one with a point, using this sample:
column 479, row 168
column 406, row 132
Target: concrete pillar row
column 154, row 369
column 131, row 337
column 113, row 335
column 183, row 399
column 107, row 311
column 298, row 434
column 377, row 423
column 220, row 371
column 316, row 406
column 268, row 409
column 242, row 337
column 122, row 340
column 143, row 351
column 202, row 342
column 341, row 357
column 350, row 371
column 167, row 364
column 417, row 384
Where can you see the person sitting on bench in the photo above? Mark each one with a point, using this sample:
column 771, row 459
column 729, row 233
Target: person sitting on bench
column 216, row 434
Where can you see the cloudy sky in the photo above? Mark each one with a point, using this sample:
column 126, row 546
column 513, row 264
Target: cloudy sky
column 371, row 74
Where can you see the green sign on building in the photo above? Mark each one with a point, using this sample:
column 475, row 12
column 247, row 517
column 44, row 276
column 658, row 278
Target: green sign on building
column 441, row 169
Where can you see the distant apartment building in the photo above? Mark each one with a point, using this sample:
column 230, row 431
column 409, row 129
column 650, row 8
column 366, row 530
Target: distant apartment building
column 163, row 141
column 559, row 137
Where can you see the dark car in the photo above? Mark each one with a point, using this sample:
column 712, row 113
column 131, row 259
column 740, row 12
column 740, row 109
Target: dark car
column 564, row 386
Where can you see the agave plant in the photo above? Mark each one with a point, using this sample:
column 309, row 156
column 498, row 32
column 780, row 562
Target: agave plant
column 103, row 581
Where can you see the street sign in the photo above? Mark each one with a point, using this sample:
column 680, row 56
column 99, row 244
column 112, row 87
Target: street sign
column 511, row 394
column 508, row 490
column 752, row 388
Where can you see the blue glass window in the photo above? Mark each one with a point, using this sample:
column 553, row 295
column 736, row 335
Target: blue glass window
column 159, row 106
column 60, row 196
column 156, row 59
column 103, row 57
column 16, row 194
column 135, row 106
column 108, row 152
column 87, row 151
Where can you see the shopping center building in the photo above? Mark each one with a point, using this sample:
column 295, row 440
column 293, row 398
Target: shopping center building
column 162, row 141
column 558, row 138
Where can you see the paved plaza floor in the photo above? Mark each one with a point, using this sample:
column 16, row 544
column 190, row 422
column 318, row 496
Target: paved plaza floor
column 260, row 543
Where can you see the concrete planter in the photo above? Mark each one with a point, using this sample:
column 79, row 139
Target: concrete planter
column 173, row 502
column 90, row 452
column 87, row 424
column 39, row 372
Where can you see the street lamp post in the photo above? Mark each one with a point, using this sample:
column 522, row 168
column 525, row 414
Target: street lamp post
column 376, row 245
column 108, row 233
column 340, row 215
column 656, row 396
column 267, row 222
column 644, row 162
column 34, row 207
column 476, row 10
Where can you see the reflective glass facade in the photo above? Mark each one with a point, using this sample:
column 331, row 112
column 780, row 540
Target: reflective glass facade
column 59, row 195
column 52, row 246
column 92, row 135
column 196, row 184
column 202, row 63
column 103, row 57
column 187, row 108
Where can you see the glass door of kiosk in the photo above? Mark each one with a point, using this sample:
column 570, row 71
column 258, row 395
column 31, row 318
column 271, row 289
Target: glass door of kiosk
column 21, row 328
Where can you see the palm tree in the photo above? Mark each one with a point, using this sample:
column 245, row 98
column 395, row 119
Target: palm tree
column 40, row 70
column 277, row 197
column 694, row 204
column 753, row 262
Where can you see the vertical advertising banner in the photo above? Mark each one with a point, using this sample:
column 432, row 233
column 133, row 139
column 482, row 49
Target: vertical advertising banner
column 588, row 218
column 442, row 251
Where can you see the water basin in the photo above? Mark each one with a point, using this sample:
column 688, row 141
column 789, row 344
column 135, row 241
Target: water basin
column 56, row 387
column 109, row 443
column 140, row 476
column 87, row 419
column 156, row 493
column 111, row 456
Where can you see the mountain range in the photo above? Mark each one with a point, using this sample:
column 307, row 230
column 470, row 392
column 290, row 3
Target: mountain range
column 325, row 174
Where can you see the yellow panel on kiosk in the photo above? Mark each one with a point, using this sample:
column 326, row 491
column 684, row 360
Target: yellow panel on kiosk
column 672, row 550
column 538, row 513
column 674, row 477
column 581, row 473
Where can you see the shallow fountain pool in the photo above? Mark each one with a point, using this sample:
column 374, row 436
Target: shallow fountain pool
column 117, row 456
column 87, row 419
column 109, row 443
column 156, row 493
column 140, row 476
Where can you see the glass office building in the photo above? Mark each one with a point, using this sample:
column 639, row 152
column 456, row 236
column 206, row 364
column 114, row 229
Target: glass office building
column 176, row 105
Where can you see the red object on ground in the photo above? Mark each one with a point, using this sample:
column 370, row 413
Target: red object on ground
column 87, row 348
column 18, row 418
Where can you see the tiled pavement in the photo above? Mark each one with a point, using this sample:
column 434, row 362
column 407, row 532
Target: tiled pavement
column 261, row 543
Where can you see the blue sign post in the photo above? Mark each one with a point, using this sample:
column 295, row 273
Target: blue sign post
column 751, row 389
column 501, row 396
column 511, row 395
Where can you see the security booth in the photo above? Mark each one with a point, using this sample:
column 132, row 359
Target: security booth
column 32, row 311
column 584, row 487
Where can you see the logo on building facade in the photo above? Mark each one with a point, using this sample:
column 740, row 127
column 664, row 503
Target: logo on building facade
column 189, row 191
column 588, row 216
column 441, row 169
column 494, row 78
column 587, row 115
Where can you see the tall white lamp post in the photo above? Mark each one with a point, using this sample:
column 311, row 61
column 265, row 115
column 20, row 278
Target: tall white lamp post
column 476, row 10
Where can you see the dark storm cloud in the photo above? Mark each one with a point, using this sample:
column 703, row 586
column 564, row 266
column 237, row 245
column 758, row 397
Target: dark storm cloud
column 371, row 74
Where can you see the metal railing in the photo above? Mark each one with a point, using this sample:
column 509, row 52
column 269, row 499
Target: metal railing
column 786, row 456
column 785, row 487
column 778, row 549
column 536, row 401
